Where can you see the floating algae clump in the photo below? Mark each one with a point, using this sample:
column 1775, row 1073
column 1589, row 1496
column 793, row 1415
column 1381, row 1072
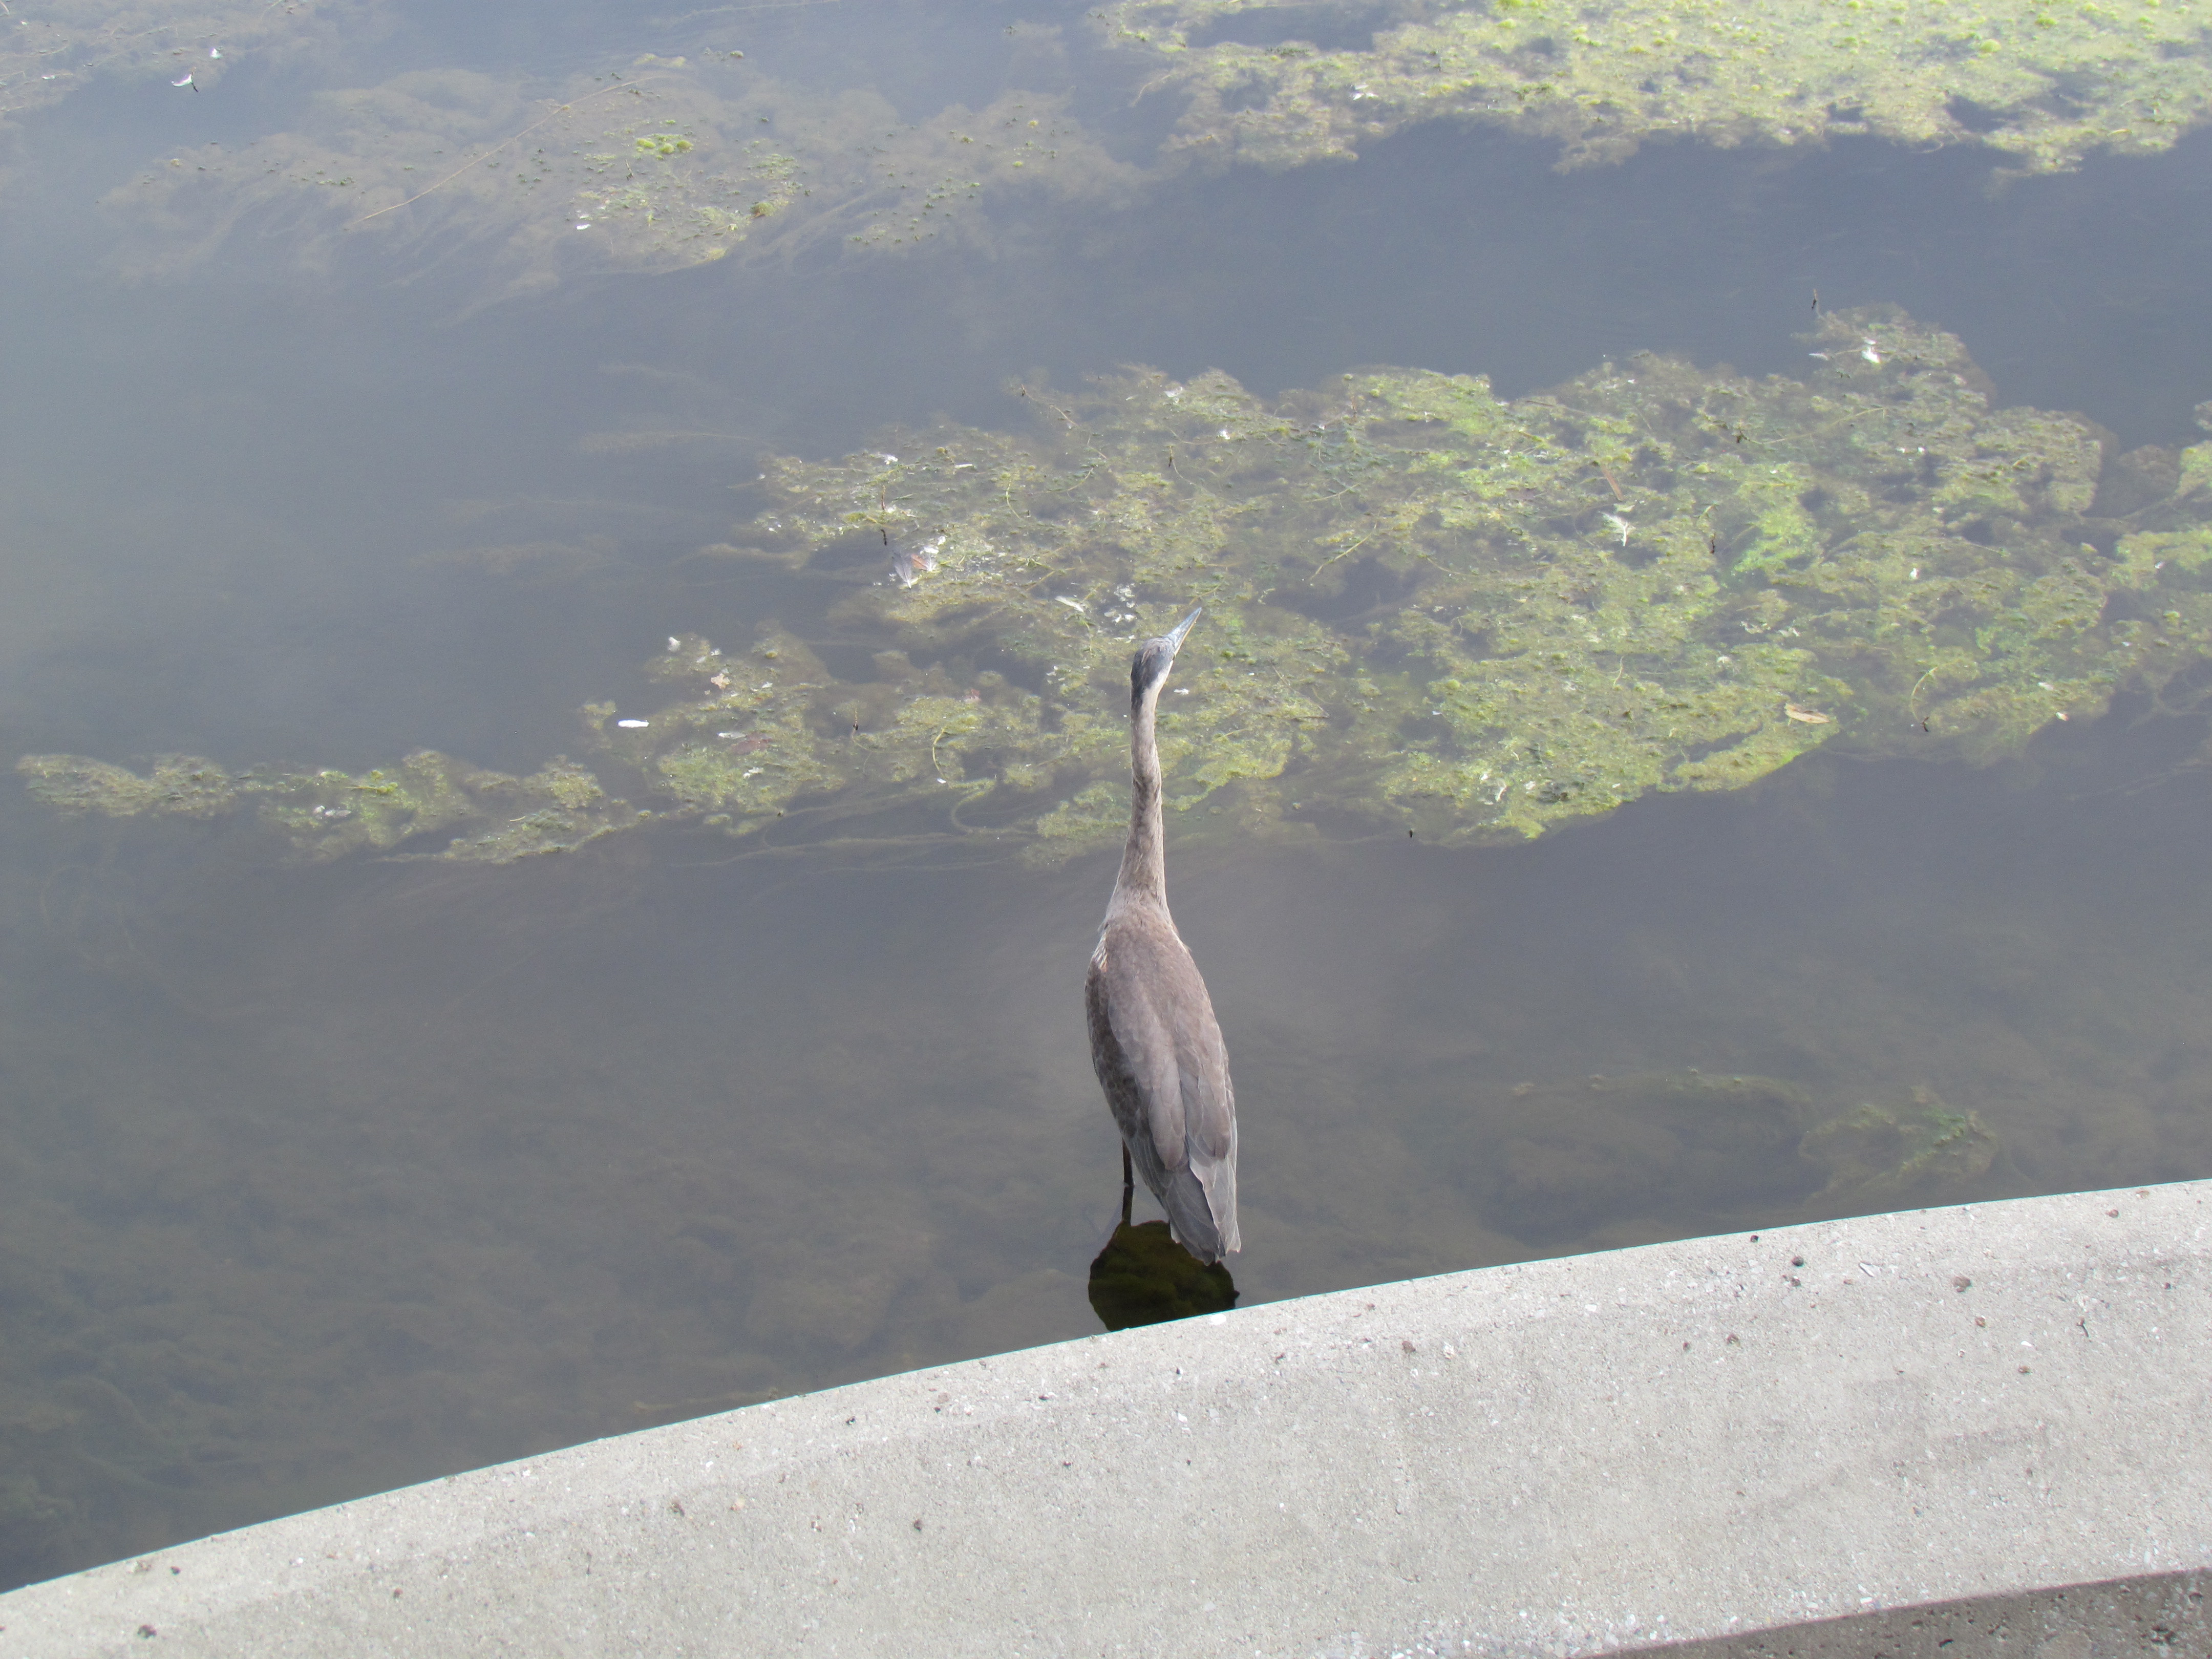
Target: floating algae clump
column 2042, row 83
column 672, row 160
column 1427, row 608
column 182, row 784
column 328, row 814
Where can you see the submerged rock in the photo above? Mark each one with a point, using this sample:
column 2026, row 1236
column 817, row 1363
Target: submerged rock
column 1143, row 1277
column 1884, row 1158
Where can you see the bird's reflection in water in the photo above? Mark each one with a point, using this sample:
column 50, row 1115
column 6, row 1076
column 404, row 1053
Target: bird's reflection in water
column 1143, row 1277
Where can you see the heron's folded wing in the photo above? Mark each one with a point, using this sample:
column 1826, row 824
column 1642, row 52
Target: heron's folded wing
column 1209, row 1105
column 1209, row 1100
column 1201, row 1059
column 1144, row 1022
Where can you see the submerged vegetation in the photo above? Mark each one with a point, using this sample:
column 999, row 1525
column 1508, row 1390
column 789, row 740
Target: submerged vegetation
column 1552, row 1163
column 667, row 161
column 1428, row 610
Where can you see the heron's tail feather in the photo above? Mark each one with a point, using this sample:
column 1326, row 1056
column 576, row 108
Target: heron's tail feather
column 1202, row 1224
column 1218, row 1176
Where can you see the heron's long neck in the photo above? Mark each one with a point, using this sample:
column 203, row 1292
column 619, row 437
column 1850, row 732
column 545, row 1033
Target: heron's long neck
column 1144, row 861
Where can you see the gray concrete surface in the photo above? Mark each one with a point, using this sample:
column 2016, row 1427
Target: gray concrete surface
column 1700, row 1442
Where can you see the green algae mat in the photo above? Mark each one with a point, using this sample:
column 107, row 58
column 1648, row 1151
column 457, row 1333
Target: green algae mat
column 2042, row 84
column 1428, row 612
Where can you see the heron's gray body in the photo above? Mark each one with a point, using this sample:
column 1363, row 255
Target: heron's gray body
column 1154, row 1042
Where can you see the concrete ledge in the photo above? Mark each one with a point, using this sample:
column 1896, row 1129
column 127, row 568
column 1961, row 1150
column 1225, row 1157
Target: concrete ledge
column 1700, row 1442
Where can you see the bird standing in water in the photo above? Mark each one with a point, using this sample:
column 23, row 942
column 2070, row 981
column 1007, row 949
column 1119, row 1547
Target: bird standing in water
column 1153, row 1040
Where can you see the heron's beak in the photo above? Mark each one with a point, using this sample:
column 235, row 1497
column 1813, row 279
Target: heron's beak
column 1174, row 635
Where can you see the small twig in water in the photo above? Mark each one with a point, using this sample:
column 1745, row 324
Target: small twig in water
column 1912, row 702
column 488, row 154
column 1346, row 554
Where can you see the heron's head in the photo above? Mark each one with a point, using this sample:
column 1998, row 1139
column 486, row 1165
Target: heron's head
column 1155, row 657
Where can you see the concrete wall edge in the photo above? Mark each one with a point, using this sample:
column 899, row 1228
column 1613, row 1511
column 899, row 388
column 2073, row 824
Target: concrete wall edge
column 1998, row 1412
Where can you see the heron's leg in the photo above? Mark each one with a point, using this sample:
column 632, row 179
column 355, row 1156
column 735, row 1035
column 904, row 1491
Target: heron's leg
column 1128, row 1184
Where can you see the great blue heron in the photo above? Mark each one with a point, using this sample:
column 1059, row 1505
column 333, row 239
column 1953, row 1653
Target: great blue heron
column 1153, row 1040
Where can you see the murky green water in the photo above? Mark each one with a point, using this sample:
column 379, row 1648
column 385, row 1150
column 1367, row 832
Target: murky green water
column 318, row 1178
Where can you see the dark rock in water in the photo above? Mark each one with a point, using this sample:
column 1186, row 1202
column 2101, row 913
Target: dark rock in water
column 1880, row 1157
column 1143, row 1277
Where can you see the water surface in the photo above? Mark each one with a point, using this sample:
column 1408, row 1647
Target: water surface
column 316, row 1181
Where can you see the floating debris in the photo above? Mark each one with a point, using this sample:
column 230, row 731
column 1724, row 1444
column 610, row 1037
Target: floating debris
column 910, row 561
